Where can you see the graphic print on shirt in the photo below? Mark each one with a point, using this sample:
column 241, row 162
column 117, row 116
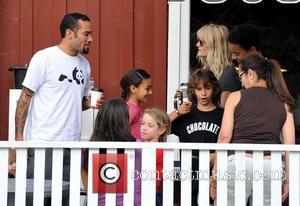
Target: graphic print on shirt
column 198, row 126
column 203, row 126
column 77, row 75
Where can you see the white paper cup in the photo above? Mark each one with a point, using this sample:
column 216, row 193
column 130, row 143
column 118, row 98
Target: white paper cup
column 95, row 95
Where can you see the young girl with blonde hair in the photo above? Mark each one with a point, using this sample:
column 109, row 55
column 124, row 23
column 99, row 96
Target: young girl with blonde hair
column 155, row 127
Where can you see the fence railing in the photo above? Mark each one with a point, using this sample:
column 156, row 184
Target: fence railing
column 148, row 164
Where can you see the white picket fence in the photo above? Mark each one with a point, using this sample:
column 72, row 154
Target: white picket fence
column 148, row 164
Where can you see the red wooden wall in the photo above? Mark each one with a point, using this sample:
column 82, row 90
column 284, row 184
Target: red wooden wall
column 126, row 33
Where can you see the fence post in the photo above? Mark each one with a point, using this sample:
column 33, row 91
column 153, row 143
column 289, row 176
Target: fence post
column 39, row 177
column 3, row 177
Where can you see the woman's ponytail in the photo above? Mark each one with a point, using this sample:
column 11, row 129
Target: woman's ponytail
column 277, row 84
column 270, row 71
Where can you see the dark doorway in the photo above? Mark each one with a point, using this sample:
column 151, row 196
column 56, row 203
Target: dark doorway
column 280, row 27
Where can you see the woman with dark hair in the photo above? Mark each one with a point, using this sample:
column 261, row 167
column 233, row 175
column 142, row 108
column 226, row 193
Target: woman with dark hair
column 112, row 124
column 259, row 114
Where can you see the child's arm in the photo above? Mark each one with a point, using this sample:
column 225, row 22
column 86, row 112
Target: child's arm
column 12, row 162
column 84, row 177
column 84, row 168
column 288, row 134
column 183, row 109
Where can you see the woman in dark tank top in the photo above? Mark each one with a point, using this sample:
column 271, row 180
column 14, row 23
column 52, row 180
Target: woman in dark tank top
column 259, row 114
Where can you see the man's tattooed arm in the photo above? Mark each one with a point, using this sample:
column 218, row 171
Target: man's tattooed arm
column 86, row 103
column 21, row 112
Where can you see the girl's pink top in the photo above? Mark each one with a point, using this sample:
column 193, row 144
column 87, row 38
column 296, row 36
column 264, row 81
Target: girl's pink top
column 135, row 120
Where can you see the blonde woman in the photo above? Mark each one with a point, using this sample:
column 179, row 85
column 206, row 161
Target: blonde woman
column 213, row 53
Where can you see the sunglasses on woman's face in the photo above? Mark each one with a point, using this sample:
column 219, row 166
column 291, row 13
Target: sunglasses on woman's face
column 201, row 42
column 241, row 74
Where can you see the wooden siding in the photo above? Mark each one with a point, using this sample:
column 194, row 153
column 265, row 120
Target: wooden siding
column 126, row 34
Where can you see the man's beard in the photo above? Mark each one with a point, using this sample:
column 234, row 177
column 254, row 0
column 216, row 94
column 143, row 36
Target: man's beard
column 85, row 50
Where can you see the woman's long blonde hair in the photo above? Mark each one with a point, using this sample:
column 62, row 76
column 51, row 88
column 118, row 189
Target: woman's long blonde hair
column 218, row 56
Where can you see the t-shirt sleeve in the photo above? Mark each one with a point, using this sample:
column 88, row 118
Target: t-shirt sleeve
column 174, row 127
column 87, row 80
column 229, row 80
column 36, row 72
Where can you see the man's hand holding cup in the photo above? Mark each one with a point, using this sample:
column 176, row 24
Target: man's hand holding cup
column 97, row 98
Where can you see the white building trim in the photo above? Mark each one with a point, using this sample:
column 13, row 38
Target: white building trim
column 178, row 47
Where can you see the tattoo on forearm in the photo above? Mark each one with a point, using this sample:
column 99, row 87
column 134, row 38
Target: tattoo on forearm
column 85, row 103
column 21, row 111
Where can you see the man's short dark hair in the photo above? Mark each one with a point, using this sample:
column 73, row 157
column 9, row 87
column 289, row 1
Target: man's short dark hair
column 246, row 36
column 70, row 22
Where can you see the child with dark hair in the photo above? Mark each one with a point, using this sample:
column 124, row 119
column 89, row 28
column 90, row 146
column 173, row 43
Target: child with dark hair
column 203, row 122
column 136, row 89
column 112, row 124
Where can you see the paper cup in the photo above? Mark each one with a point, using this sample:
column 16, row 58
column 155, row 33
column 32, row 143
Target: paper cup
column 96, row 94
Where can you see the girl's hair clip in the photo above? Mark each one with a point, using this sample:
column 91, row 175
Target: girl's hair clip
column 139, row 74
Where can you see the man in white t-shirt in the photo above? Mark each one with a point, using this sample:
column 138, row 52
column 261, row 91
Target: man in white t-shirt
column 56, row 85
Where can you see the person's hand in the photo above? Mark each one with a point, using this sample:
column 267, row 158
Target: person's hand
column 184, row 108
column 178, row 94
column 100, row 101
column 213, row 188
column 86, row 103
column 19, row 138
column 285, row 191
column 12, row 168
